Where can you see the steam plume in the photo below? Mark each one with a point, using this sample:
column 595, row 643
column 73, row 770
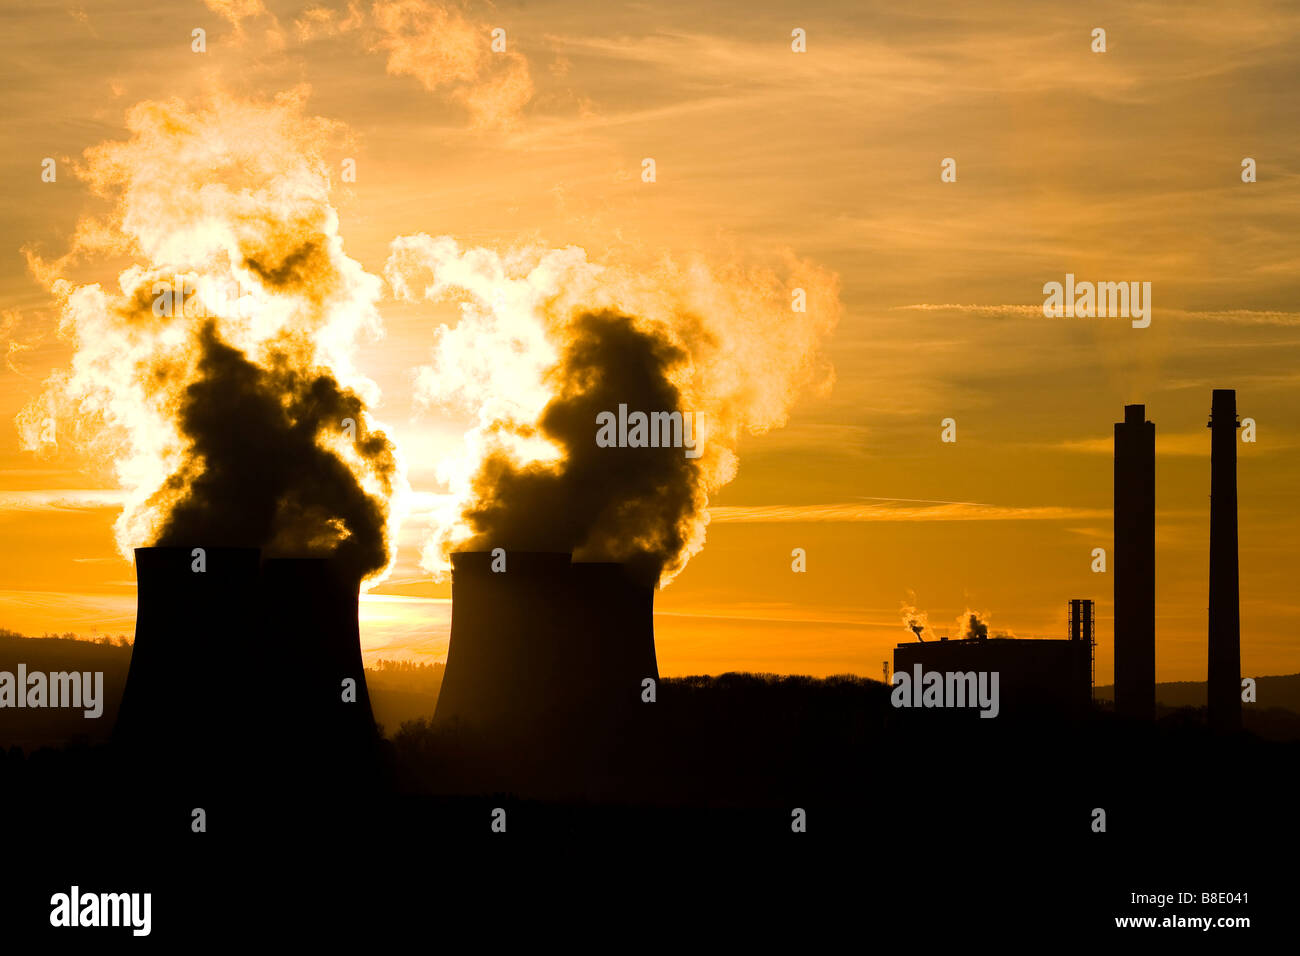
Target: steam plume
column 218, row 379
column 974, row 624
column 915, row 620
column 547, row 340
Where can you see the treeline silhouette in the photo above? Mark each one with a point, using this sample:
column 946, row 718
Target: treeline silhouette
column 400, row 690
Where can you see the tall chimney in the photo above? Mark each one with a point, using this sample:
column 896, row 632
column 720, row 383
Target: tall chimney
column 194, row 608
column 1134, row 565
column 1223, row 691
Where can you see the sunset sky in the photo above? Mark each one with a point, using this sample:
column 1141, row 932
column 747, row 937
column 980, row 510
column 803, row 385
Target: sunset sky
column 1115, row 166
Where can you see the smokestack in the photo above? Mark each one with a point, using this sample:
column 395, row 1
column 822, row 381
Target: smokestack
column 1083, row 627
column 507, row 642
column 1223, row 691
column 1135, row 565
column 310, row 648
column 547, row 645
column 1081, row 619
column 179, row 714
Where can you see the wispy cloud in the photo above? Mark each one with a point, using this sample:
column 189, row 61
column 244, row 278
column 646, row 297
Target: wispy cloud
column 61, row 499
column 34, row 612
column 897, row 509
column 1187, row 445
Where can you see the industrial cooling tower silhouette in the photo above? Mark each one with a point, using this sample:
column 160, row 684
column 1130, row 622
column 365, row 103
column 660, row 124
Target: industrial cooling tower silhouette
column 180, row 710
column 311, row 652
column 613, row 612
column 238, row 671
column 545, row 644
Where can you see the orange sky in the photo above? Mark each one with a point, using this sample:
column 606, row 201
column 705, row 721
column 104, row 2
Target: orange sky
column 1116, row 166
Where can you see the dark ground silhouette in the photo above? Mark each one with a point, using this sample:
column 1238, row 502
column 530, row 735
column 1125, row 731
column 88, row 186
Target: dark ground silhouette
column 908, row 805
column 688, row 801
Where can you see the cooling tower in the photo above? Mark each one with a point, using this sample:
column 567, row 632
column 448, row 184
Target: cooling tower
column 1223, row 689
column 309, row 649
column 183, row 710
column 614, row 613
column 1134, row 566
column 508, row 630
column 545, row 645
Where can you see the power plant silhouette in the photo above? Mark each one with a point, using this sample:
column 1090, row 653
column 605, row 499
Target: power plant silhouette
column 1060, row 671
column 542, row 645
column 539, row 642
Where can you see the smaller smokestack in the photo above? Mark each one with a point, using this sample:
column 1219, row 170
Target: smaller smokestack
column 1081, row 619
column 1083, row 627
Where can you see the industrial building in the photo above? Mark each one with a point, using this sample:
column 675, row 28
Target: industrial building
column 1035, row 675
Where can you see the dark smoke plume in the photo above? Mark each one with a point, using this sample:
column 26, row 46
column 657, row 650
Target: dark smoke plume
column 219, row 382
column 547, row 339
column 611, row 504
column 256, row 473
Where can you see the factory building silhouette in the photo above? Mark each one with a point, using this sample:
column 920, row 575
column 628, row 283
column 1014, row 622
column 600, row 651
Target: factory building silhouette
column 1052, row 668
column 1035, row 675
column 544, row 643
